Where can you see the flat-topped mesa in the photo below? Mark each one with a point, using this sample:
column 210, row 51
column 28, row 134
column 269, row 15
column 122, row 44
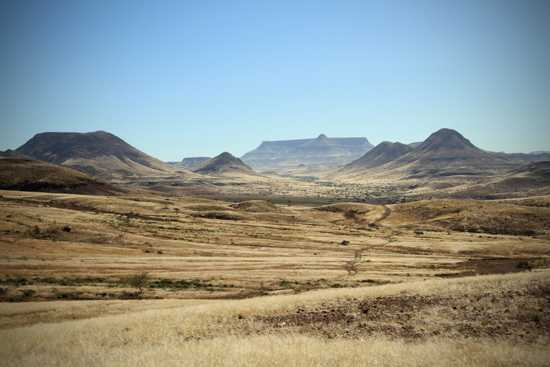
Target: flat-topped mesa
column 322, row 151
column 96, row 153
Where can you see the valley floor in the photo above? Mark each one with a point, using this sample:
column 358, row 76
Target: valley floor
column 439, row 282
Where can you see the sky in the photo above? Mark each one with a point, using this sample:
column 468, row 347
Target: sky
column 195, row 78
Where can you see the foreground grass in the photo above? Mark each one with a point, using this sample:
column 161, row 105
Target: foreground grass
column 295, row 350
column 235, row 333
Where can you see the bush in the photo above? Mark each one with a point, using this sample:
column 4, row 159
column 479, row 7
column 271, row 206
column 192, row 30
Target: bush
column 524, row 265
column 138, row 281
column 351, row 214
column 223, row 215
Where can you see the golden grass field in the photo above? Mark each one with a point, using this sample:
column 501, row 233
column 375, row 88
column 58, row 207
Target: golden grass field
column 489, row 320
column 438, row 282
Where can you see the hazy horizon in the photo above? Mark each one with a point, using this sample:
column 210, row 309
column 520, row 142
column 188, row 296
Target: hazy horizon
column 179, row 79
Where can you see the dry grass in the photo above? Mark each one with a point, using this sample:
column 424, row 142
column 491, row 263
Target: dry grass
column 476, row 216
column 228, row 333
column 288, row 249
column 313, row 312
column 293, row 350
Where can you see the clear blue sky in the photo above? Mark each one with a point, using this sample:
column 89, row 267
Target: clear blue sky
column 183, row 78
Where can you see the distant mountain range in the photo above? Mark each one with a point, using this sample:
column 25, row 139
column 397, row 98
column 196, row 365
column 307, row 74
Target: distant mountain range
column 284, row 156
column 96, row 153
column 444, row 153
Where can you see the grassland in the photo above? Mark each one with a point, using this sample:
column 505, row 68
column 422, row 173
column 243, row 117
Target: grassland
column 495, row 320
column 439, row 282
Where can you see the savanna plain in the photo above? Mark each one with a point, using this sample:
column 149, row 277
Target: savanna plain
column 161, row 280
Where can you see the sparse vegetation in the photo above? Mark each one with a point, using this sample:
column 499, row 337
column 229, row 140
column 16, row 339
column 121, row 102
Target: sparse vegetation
column 289, row 250
column 139, row 281
column 351, row 214
column 223, row 215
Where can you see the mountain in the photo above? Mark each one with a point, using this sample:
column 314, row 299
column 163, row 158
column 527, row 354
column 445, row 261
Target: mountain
column 381, row 154
column 26, row 174
column 225, row 163
column 447, row 153
column 96, row 153
column 284, row 156
column 193, row 163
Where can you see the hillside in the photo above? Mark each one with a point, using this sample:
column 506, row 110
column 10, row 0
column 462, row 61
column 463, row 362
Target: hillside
column 444, row 155
column 500, row 321
column 97, row 153
column 528, row 180
column 32, row 175
column 284, row 156
column 447, row 153
column 224, row 163
column 381, row 154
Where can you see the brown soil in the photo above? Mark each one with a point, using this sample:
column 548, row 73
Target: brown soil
column 521, row 314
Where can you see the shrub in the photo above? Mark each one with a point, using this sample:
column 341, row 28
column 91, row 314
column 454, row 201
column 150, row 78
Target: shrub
column 524, row 265
column 138, row 281
column 351, row 214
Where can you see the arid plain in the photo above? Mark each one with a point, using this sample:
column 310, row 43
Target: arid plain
column 225, row 266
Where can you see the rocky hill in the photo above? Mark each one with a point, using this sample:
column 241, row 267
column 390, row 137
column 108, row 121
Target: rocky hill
column 224, row 163
column 97, row 153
